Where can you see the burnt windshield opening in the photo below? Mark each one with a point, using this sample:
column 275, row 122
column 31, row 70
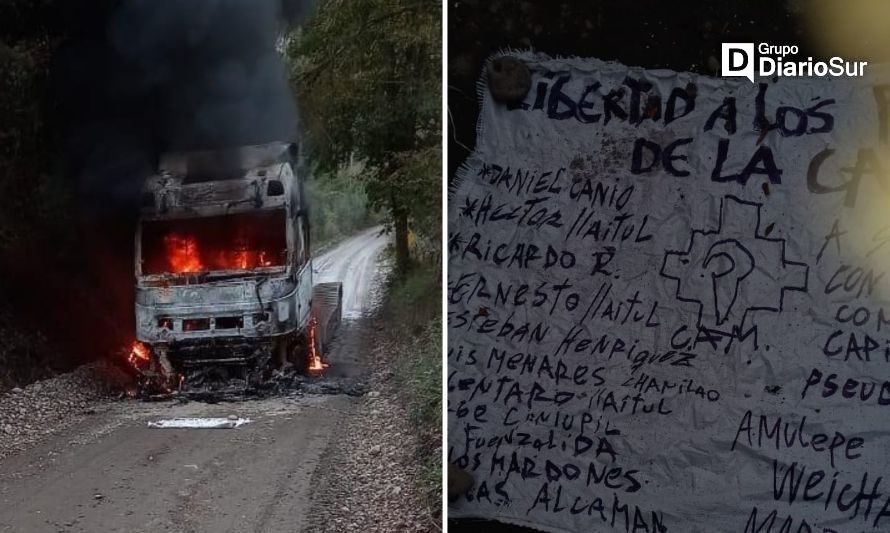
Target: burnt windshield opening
column 241, row 241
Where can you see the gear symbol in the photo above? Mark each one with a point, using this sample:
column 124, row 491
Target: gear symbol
column 733, row 270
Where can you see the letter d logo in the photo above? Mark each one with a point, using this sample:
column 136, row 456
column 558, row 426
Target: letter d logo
column 737, row 59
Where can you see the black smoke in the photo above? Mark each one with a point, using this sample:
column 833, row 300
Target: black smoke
column 141, row 77
column 131, row 80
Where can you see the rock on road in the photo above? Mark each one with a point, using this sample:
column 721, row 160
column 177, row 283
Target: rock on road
column 110, row 472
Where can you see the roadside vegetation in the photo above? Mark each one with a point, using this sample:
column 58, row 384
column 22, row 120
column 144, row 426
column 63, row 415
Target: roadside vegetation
column 368, row 78
column 367, row 73
column 338, row 206
column 412, row 311
column 33, row 204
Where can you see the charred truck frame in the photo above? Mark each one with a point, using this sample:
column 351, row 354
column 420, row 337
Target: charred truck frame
column 224, row 278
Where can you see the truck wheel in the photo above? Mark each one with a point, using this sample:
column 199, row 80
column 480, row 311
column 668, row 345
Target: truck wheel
column 281, row 350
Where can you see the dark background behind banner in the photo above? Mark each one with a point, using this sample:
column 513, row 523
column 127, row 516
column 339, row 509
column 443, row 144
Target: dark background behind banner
column 679, row 35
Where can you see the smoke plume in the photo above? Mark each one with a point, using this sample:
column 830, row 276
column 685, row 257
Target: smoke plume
column 148, row 76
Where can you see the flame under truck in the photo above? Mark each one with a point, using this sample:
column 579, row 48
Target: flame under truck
column 224, row 279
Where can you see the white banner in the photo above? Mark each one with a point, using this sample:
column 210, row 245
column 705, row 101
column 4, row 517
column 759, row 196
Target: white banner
column 668, row 303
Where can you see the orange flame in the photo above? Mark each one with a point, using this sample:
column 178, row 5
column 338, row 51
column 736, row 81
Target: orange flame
column 185, row 256
column 242, row 259
column 315, row 363
column 182, row 252
column 139, row 355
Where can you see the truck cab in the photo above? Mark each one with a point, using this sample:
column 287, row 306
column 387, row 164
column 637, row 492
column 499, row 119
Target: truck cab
column 223, row 266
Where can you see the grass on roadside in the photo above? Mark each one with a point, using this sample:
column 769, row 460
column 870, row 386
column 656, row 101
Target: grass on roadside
column 413, row 306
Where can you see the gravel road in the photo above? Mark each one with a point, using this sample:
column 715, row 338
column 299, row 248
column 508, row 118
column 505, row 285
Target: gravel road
column 78, row 459
column 353, row 260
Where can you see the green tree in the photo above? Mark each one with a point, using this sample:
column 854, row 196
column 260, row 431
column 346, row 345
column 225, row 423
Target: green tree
column 368, row 78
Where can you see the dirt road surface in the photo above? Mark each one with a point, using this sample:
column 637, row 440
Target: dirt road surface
column 353, row 262
column 110, row 472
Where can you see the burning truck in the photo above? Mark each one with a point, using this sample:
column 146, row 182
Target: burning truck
column 224, row 278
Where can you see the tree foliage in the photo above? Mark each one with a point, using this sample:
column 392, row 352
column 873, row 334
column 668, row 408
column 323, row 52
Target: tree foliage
column 368, row 78
column 24, row 63
column 338, row 206
column 29, row 200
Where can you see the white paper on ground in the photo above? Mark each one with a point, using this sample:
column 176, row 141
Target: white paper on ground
column 199, row 423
